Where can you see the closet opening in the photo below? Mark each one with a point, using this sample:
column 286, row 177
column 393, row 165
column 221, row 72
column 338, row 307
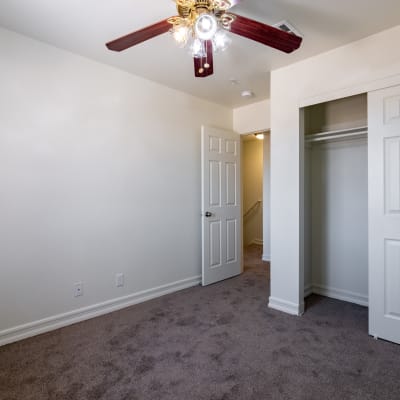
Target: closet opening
column 335, row 199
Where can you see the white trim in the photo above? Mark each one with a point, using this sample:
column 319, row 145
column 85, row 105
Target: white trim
column 308, row 290
column 264, row 131
column 266, row 257
column 285, row 306
column 365, row 87
column 58, row 321
column 302, row 308
column 341, row 294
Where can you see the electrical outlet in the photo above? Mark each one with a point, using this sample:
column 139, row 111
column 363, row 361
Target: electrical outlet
column 119, row 280
column 78, row 289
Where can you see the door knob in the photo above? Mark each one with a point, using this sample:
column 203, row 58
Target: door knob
column 208, row 214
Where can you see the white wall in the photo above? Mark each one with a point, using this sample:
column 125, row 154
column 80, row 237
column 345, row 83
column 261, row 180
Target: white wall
column 99, row 174
column 252, row 118
column 361, row 66
column 267, row 198
column 339, row 219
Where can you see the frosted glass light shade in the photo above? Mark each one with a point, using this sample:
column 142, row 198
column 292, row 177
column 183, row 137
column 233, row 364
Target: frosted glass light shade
column 221, row 40
column 205, row 27
column 197, row 48
column 181, row 35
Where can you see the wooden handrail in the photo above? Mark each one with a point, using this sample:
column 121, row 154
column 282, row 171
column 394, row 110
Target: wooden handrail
column 257, row 203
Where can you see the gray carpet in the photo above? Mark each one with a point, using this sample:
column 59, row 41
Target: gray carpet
column 215, row 343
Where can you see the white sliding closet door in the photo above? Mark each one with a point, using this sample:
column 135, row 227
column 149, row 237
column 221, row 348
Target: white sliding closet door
column 384, row 213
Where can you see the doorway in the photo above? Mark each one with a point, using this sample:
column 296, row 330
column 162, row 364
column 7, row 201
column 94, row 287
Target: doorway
column 223, row 210
column 255, row 198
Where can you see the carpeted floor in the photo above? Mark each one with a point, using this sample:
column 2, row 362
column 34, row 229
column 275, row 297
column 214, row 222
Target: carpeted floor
column 215, row 343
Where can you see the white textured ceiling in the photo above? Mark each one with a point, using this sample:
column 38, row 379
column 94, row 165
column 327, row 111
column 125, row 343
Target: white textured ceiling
column 84, row 26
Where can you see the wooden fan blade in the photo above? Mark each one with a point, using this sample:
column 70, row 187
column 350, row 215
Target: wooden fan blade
column 204, row 66
column 265, row 34
column 140, row 36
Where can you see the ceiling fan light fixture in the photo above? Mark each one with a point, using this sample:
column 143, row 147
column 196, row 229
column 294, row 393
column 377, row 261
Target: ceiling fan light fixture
column 221, row 40
column 197, row 27
column 197, row 48
column 181, row 34
column 205, row 26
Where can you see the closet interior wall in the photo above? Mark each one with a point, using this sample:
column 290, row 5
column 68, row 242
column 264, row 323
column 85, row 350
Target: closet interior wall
column 336, row 199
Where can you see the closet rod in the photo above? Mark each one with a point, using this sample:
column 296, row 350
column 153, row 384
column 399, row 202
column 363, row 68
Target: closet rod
column 342, row 133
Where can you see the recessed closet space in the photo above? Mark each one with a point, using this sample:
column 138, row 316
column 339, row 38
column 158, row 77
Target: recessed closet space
column 336, row 199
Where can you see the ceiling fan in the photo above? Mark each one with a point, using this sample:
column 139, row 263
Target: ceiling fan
column 201, row 25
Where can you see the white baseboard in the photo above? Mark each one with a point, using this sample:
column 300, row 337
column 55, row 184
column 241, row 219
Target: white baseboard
column 258, row 242
column 308, row 290
column 285, row 306
column 339, row 294
column 266, row 257
column 58, row 321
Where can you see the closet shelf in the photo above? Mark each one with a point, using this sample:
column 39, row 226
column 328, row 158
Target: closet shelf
column 342, row 133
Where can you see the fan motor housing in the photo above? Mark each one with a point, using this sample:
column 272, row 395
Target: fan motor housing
column 184, row 11
column 202, row 5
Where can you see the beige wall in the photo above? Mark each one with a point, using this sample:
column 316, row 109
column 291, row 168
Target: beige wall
column 252, row 164
column 99, row 174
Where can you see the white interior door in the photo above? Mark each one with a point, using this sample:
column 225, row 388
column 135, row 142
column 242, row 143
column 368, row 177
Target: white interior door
column 384, row 213
column 221, row 210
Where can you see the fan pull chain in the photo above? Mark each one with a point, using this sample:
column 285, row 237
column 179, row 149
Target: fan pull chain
column 206, row 64
column 201, row 69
